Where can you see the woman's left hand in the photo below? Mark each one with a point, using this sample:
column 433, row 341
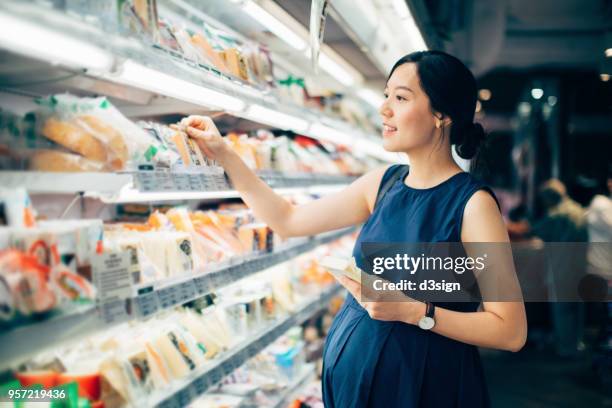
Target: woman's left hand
column 380, row 306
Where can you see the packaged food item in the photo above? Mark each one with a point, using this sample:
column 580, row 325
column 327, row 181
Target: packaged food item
column 47, row 378
column 342, row 267
column 236, row 63
column 27, row 283
column 256, row 237
column 88, row 383
column 117, row 150
column 74, row 138
column 209, row 53
column 57, row 161
column 189, row 150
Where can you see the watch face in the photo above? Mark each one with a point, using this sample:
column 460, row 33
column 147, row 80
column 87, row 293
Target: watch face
column 426, row 323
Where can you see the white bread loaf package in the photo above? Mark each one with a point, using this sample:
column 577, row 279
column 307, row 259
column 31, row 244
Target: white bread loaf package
column 92, row 128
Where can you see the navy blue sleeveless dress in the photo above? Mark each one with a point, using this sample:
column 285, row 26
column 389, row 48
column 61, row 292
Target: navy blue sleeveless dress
column 372, row 363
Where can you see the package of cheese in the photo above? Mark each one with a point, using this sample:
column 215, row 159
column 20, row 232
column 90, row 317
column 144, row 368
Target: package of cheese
column 207, row 51
column 236, row 63
column 190, row 152
column 173, row 348
column 342, row 267
column 256, row 237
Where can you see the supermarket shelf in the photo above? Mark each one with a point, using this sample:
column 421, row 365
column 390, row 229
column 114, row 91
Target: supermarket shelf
column 151, row 186
column 197, row 384
column 78, row 322
column 44, row 182
column 108, row 60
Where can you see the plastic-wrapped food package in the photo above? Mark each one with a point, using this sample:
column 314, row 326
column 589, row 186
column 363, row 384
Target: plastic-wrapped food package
column 95, row 130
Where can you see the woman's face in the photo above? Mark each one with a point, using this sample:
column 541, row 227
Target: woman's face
column 408, row 122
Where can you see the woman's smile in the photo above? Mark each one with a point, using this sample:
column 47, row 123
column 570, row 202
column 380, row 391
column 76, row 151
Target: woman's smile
column 388, row 130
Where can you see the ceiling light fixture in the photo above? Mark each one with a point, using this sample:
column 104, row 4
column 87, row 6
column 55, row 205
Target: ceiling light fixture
column 609, row 52
column 604, row 77
column 414, row 34
column 484, row 94
column 537, row 93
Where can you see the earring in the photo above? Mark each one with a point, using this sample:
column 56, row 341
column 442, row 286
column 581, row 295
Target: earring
column 437, row 124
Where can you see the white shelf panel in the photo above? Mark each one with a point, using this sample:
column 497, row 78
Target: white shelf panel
column 44, row 182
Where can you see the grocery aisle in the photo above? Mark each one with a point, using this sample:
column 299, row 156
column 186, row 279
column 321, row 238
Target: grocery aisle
column 131, row 273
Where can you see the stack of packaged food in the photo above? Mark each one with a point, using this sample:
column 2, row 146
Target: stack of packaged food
column 181, row 242
column 126, row 364
column 43, row 264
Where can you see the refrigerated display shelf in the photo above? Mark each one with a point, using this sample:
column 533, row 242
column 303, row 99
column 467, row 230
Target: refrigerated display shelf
column 153, row 186
column 79, row 321
column 53, row 37
column 197, row 384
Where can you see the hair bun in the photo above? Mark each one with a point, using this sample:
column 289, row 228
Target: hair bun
column 473, row 136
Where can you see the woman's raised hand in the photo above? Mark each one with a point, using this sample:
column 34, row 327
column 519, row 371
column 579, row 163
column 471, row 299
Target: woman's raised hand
column 203, row 130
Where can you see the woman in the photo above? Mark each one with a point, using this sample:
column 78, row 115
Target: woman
column 376, row 355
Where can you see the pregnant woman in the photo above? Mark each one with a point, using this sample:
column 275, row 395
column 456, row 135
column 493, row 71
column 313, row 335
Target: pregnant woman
column 381, row 354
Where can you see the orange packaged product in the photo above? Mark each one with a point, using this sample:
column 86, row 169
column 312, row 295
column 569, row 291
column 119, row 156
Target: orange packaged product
column 116, row 147
column 46, row 378
column 256, row 237
column 188, row 149
column 204, row 46
column 89, row 384
column 236, row 63
column 74, row 138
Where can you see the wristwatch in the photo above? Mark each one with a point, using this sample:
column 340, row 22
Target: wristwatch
column 427, row 322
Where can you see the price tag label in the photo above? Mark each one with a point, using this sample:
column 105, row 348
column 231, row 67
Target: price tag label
column 111, row 275
column 168, row 297
column 195, row 182
column 200, row 385
column 147, row 304
column 187, row 291
column 145, row 181
column 216, row 375
column 202, row 285
column 181, row 182
column 207, row 182
column 183, row 397
column 164, row 181
column 115, row 311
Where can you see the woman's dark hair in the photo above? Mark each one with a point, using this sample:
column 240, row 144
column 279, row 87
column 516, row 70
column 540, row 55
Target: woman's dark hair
column 452, row 91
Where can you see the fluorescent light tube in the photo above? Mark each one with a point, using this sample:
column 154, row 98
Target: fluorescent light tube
column 150, row 79
column 274, row 25
column 335, row 69
column 281, row 120
column 329, row 134
column 27, row 38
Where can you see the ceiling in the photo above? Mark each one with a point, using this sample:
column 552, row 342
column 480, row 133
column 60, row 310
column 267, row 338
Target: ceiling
column 492, row 34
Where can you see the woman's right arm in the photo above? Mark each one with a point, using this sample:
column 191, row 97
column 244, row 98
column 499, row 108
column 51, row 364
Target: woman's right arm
column 348, row 207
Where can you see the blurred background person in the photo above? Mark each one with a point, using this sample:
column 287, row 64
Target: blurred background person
column 564, row 220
